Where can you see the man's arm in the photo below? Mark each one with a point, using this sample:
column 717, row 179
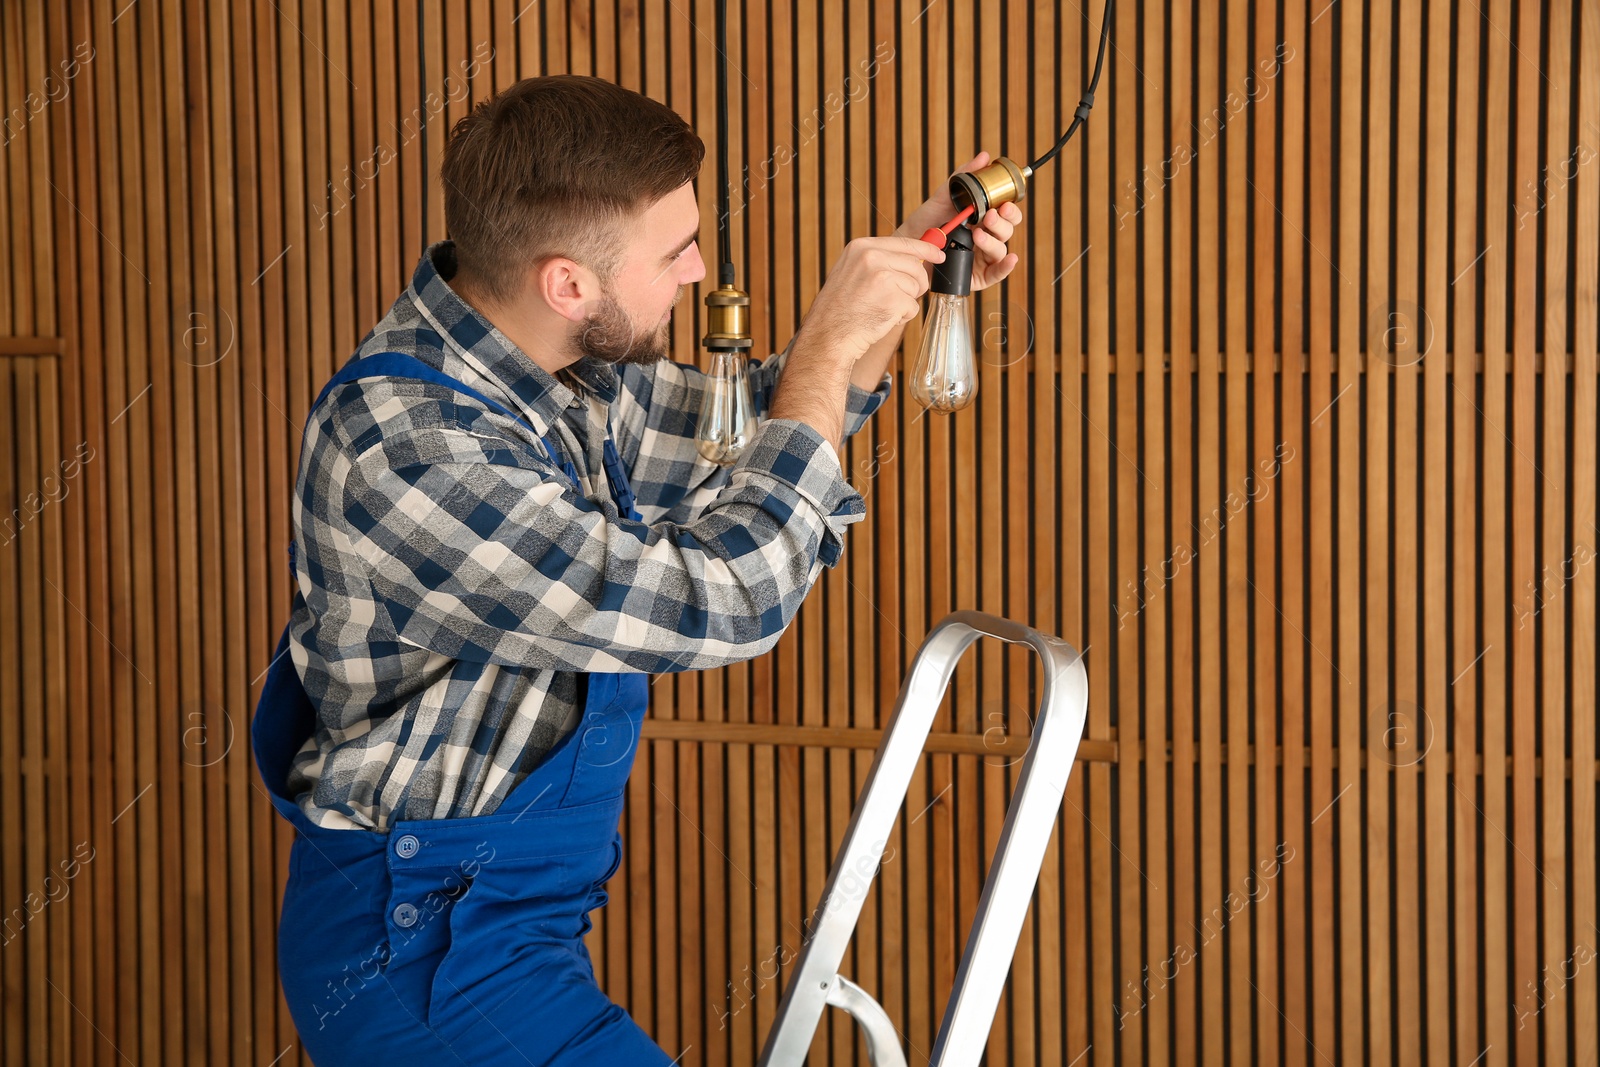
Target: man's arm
column 872, row 292
column 873, row 288
column 655, row 421
column 872, row 368
column 477, row 548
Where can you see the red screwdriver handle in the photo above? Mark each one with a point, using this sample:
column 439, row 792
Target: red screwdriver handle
column 936, row 236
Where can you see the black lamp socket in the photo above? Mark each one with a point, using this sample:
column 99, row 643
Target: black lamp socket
column 953, row 277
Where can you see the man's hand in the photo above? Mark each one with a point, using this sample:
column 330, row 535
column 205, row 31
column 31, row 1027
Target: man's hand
column 992, row 263
column 874, row 289
column 876, row 285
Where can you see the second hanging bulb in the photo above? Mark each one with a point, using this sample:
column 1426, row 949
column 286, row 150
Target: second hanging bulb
column 945, row 376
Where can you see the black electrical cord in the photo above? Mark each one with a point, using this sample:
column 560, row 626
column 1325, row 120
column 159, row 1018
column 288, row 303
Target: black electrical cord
column 1088, row 98
column 422, row 80
column 724, row 214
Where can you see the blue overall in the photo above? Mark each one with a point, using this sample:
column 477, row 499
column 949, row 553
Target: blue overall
column 459, row 940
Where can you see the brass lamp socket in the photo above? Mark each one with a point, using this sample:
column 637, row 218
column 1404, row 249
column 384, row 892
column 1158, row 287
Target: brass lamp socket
column 727, row 319
column 1001, row 182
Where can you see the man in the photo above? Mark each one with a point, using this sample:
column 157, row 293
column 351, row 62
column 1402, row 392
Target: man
column 501, row 527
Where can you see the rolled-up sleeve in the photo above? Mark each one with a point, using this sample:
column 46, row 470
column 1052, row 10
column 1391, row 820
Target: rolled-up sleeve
column 794, row 455
column 478, row 549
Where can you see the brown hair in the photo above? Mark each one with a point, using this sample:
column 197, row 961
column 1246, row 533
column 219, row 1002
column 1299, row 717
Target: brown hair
column 554, row 166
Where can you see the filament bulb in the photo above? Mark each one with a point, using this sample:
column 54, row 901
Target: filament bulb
column 945, row 376
column 727, row 416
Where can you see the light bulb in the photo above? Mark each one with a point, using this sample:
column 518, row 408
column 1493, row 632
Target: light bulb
column 727, row 415
column 945, row 377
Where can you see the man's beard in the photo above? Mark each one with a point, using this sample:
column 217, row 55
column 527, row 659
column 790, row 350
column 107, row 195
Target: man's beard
column 610, row 335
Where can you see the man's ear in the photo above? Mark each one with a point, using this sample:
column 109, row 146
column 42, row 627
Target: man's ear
column 566, row 286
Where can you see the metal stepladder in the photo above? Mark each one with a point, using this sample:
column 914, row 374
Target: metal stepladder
column 1014, row 871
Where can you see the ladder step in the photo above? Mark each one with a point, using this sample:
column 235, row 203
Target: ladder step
column 883, row 1041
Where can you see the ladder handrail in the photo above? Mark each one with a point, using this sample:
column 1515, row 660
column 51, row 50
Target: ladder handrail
column 1014, row 871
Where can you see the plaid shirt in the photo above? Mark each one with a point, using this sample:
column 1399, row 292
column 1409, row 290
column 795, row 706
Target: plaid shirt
column 452, row 583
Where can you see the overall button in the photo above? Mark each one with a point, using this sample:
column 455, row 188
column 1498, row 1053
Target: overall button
column 405, row 916
column 406, row 846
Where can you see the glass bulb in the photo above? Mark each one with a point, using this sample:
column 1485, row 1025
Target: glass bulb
column 727, row 415
column 945, row 376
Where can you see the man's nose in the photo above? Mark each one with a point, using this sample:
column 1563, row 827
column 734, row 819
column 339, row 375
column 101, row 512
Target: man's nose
column 695, row 266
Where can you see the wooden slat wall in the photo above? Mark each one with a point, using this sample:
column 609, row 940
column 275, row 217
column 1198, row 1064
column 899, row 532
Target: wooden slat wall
column 1288, row 418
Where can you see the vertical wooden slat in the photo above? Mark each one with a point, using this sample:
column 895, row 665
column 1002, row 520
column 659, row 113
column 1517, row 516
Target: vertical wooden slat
column 29, row 706
column 1176, row 994
column 62, row 963
column 1286, row 66
column 1376, row 605
column 1466, row 641
column 1584, row 290
column 1126, row 940
column 1208, row 498
column 22, row 141
column 1402, row 750
column 1260, row 880
column 1325, row 331
column 1557, row 551
column 14, row 1023
column 1352, row 397
column 1524, row 474
column 1498, row 988
column 1040, row 249
column 1097, row 148
column 1434, row 529
column 1232, row 544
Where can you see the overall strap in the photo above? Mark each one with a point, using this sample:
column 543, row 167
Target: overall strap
column 400, row 365
column 621, row 490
